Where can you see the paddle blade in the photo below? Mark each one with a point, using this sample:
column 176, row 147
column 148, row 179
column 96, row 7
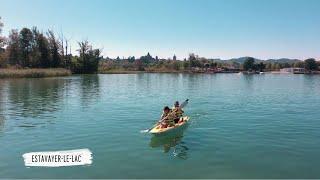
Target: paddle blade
column 145, row 131
column 184, row 103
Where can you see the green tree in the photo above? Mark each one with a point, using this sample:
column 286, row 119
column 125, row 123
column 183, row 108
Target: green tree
column 139, row 65
column 13, row 49
column 269, row 66
column 88, row 59
column 248, row 64
column 25, row 42
column 35, row 54
column 213, row 64
column 299, row 64
column 311, row 64
column 54, row 45
column 2, row 43
column 194, row 60
column 175, row 65
column 260, row 67
column 186, row 65
column 43, row 48
column 2, row 39
column 131, row 59
column 236, row 64
column 286, row 65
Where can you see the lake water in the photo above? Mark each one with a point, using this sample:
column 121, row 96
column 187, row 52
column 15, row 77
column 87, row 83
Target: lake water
column 255, row 126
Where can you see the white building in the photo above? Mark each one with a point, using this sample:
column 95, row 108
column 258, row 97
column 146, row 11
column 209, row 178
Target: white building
column 292, row 70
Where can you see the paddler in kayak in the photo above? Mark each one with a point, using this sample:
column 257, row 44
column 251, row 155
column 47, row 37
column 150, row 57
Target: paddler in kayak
column 167, row 118
column 178, row 112
column 170, row 117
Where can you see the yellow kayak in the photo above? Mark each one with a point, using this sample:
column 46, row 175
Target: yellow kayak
column 158, row 130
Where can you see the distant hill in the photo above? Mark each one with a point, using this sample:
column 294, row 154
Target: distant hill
column 241, row 60
column 283, row 60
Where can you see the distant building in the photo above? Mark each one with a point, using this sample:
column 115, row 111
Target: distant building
column 298, row 70
column 174, row 57
column 292, row 70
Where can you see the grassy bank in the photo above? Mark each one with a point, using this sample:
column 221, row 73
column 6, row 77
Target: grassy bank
column 33, row 73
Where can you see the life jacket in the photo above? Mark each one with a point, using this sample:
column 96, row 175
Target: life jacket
column 169, row 117
column 178, row 112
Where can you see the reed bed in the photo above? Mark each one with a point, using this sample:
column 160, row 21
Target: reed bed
column 33, row 73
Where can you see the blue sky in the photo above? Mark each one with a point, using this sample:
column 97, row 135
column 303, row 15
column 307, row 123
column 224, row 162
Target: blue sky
column 211, row 28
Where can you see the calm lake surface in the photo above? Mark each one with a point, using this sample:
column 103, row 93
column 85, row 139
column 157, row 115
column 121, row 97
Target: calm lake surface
column 255, row 126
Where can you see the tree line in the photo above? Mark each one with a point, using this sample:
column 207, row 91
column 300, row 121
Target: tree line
column 32, row 48
column 150, row 63
column 309, row 64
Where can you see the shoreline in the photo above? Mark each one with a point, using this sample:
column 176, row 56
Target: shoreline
column 137, row 72
column 195, row 72
column 59, row 72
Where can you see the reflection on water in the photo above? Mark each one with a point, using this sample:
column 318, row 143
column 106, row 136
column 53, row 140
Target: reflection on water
column 181, row 151
column 33, row 97
column 2, row 102
column 34, row 101
column 172, row 142
column 248, row 79
column 1, row 123
column 90, row 89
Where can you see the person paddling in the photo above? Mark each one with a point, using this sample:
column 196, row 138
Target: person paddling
column 178, row 112
column 167, row 118
column 166, row 111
